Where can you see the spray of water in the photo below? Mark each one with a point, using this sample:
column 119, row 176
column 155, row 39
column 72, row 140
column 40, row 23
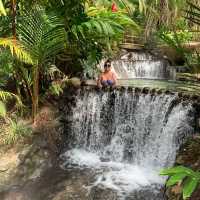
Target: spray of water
column 127, row 137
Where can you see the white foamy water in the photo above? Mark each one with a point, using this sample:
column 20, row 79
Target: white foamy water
column 141, row 65
column 119, row 176
column 126, row 137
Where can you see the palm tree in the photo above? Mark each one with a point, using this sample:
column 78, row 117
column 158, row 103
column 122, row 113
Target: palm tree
column 40, row 37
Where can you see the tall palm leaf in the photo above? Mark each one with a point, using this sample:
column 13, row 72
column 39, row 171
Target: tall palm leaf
column 2, row 9
column 17, row 49
column 43, row 36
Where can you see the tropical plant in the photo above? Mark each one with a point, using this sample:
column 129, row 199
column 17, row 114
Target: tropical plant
column 56, row 88
column 100, row 33
column 13, row 129
column 89, row 65
column 176, row 39
column 6, row 67
column 5, row 96
column 41, row 36
column 156, row 13
column 188, row 179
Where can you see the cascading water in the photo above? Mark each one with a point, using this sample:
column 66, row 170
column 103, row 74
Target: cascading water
column 142, row 65
column 127, row 138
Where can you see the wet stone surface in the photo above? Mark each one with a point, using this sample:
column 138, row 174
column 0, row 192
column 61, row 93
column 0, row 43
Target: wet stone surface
column 58, row 184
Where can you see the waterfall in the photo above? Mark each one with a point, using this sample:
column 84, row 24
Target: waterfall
column 127, row 137
column 142, row 65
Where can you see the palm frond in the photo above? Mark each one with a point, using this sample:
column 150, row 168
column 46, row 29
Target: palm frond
column 2, row 9
column 17, row 49
column 4, row 96
column 42, row 34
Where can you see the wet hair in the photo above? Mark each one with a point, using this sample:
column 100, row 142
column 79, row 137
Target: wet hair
column 107, row 63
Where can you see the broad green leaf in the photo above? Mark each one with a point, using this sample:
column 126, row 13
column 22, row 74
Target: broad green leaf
column 175, row 170
column 189, row 187
column 175, row 179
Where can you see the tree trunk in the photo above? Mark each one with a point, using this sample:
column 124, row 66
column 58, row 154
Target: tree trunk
column 14, row 18
column 35, row 92
column 163, row 12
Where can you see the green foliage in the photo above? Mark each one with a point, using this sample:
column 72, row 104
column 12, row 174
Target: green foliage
column 42, row 35
column 177, row 38
column 187, row 177
column 90, row 66
column 15, row 131
column 2, row 9
column 6, row 67
column 56, row 88
column 5, row 96
column 180, row 36
column 3, row 111
column 100, row 32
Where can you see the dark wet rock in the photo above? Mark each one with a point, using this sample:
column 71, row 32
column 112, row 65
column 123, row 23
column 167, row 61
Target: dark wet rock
column 160, row 91
column 180, row 94
column 153, row 91
column 167, row 92
column 194, row 97
column 123, row 88
column 130, row 89
column 186, row 97
column 145, row 90
column 138, row 90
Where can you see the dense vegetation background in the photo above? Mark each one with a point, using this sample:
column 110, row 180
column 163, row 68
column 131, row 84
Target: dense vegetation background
column 49, row 40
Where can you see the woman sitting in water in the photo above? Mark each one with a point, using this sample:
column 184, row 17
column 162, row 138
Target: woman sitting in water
column 108, row 77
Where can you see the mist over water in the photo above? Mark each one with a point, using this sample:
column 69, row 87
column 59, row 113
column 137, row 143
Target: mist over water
column 127, row 138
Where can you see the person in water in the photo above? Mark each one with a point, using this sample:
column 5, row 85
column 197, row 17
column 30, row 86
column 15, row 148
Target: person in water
column 108, row 77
